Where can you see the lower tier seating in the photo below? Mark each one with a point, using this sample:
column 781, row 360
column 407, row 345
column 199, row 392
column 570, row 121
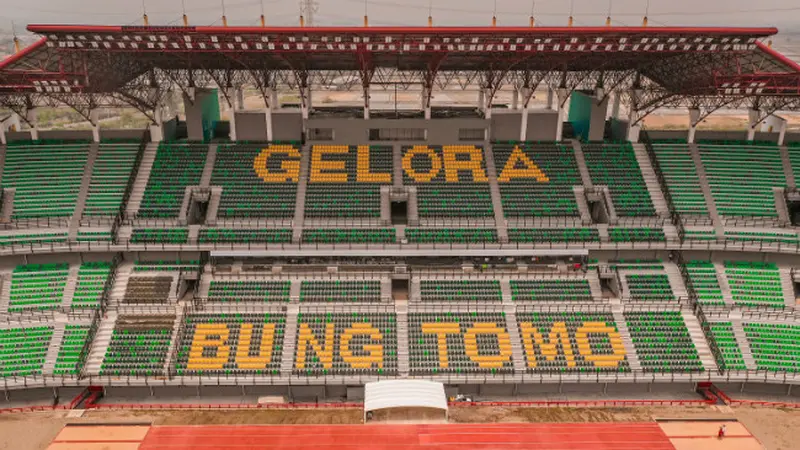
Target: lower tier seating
column 73, row 350
column 340, row 291
column 165, row 266
column 160, row 236
column 460, row 290
column 545, row 235
column 550, row 290
column 451, row 236
column 615, row 166
column 346, row 344
column 23, row 350
column 458, row 343
column 92, row 279
column 139, row 346
column 731, row 355
column 152, row 290
column 38, row 286
column 249, row 291
column 662, row 342
column 754, row 283
column 244, row 236
column 571, row 342
column 636, row 235
column 704, row 279
column 33, row 239
column 649, row 287
column 229, row 343
column 351, row 236
column 775, row 347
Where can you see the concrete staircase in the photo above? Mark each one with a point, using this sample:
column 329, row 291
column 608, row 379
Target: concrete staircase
column 403, row 364
column 173, row 341
column 580, row 159
column 743, row 343
column 3, row 149
column 140, row 184
column 55, row 346
column 583, row 205
column 117, row 295
column 699, row 340
column 69, row 287
column 86, row 181
column 627, row 341
column 787, row 168
column 208, row 169
column 724, row 286
column 594, row 284
column 289, row 339
column 676, row 280
column 651, row 180
column 787, row 285
column 397, row 166
column 703, row 177
column 102, row 338
column 5, row 291
column 505, row 292
column 494, row 189
column 517, row 354
column 300, row 200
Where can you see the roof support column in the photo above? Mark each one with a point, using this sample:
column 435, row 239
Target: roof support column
column 270, row 99
column 3, row 140
column 563, row 95
column 32, row 119
column 515, row 99
column 754, row 118
column 427, row 89
column 526, row 98
column 11, row 121
column 633, row 114
column 694, row 119
column 305, row 96
column 366, row 101
column 615, row 106
column 94, row 116
column 775, row 124
column 550, row 96
column 482, row 100
column 237, row 99
column 156, row 128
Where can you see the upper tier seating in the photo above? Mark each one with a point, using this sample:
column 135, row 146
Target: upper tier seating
column 451, row 181
column 46, row 176
column 160, row 236
column 176, row 166
column 458, row 343
column 258, row 180
column 636, row 235
column 349, row 235
column 33, row 239
column 451, row 235
column 139, row 346
column 340, row 291
column 148, row 289
column 550, row 290
column 346, row 344
column 249, row 291
column 460, row 290
column 704, row 279
column 23, row 350
column 71, row 354
column 649, row 287
column 92, row 279
column 345, row 181
column 571, row 342
column 38, row 286
column 165, row 266
column 537, row 179
column 680, row 173
column 244, row 236
column 546, row 235
column 227, row 343
column 755, row 284
column 662, row 342
column 775, row 347
column 722, row 333
column 615, row 166
column 110, row 177
column 741, row 178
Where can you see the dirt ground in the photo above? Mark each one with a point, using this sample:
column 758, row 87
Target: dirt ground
column 777, row 429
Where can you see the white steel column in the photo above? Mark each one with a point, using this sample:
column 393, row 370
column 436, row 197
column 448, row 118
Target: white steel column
column 562, row 96
column 694, row 119
column 523, row 127
column 366, row 102
column 633, row 116
column 615, row 106
column 550, row 98
column 752, row 123
column 156, row 129
column 270, row 93
column 94, row 116
column 31, row 117
column 514, row 99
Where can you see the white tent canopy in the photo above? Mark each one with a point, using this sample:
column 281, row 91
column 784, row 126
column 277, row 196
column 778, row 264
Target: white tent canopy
column 404, row 394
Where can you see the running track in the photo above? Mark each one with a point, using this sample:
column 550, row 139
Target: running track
column 545, row 436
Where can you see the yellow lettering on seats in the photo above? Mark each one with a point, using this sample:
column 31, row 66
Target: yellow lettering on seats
column 582, row 338
column 422, row 177
column 290, row 167
column 318, row 165
column 471, row 345
column 363, row 175
column 306, row 338
column 452, row 165
column 531, row 170
column 531, row 338
column 243, row 358
column 202, row 340
column 441, row 330
column 375, row 350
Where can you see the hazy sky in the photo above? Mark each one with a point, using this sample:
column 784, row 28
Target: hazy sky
column 782, row 13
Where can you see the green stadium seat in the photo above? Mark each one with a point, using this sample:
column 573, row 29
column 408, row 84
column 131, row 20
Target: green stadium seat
column 176, row 166
column 662, row 342
column 615, row 166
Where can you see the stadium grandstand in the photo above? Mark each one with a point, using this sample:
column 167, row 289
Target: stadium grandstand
column 303, row 249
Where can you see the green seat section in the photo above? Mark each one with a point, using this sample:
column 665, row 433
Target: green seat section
column 165, row 266
column 794, row 158
column 46, row 176
column 176, row 166
column 704, row 279
column 755, row 284
column 33, row 239
column 139, row 346
column 149, row 290
column 699, row 235
column 546, row 235
column 680, row 174
column 536, row 180
column 110, row 177
column 92, row 279
column 636, row 235
column 249, row 291
column 649, row 287
column 615, row 166
column 662, row 342
column 94, row 236
column 23, row 350
column 451, row 235
column 722, row 333
column 767, row 237
column 448, row 193
column 244, row 236
column 455, row 342
column 550, row 290
column 159, row 236
column 231, row 343
column 775, row 347
column 346, row 181
column 340, row 291
column 73, row 350
column 350, row 235
column 571, row 342
column 460, row 290
column 38, row 286
column 245, row 193
column 741, row 178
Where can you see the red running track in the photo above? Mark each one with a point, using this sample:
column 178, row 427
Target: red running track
column 545, row 436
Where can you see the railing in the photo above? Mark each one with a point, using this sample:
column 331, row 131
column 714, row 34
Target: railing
column 662, row 182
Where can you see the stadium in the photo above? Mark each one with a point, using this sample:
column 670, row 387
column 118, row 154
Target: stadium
column 514, row 250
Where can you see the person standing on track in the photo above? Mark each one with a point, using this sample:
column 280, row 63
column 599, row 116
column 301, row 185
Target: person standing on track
column 721, row 432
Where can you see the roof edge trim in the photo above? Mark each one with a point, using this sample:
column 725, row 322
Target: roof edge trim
column 22, row 53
